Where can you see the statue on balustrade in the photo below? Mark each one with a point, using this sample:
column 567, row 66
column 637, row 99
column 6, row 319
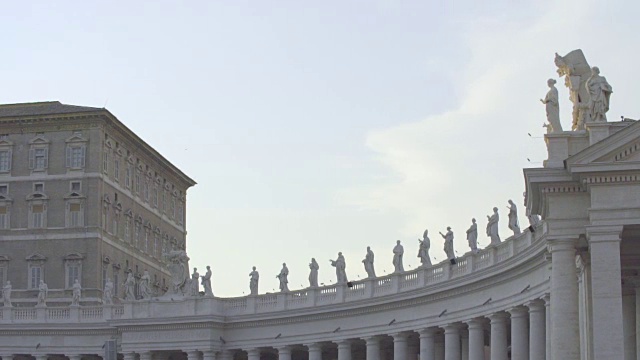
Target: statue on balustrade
column 178, row 265
column 283, row 277
column 130, row 287
column 600, row 92
column 195, row 285
column 341, row 268
column 253, row 282
column 43, row 292
column 576, row 71
column 513, row 218
column 368, row 263
column 398, row 252
column 107, row 293
column 534, row 220
column 143, row 286
column 492, row 227
column 472, row 236
column 6, row 294
column 423, row 251
column 313, row 274
column 206, row 282
column 448, row 245
column 76, row 293
column 552, row 107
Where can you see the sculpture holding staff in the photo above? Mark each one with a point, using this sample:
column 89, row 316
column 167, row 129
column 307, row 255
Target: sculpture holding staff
column 423, row 251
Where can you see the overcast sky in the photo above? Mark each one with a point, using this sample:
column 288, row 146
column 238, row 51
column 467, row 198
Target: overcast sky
column 314, row 127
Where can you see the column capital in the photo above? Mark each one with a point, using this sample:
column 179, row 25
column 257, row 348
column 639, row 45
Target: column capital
column 561, row 244
column 313, row 346
column 146, row 355
column 399, row 336
column 343, row 342
column 372, row 339
column 547, row 299
column 453, row 328
column 535, row 305
column 70, row 356
column 286, row 349
column 476, row 323
column 608, row 233
column 428, row 332
column 518, row 311
column 254, row 352
column 499, row 317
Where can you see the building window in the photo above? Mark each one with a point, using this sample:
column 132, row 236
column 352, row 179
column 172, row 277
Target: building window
column 165, row 203
column 137, row 234
column 4, row 217
column 39, row 158
column 116, row 170
column 116, row 281
column 105, row 275
column 35, row 268
column 38, row 216
column 3, row 274
column 146, row 240
column 35, row 275
column 38, row 187
column 73, row 273
column 172, row 209
column 145, row 190
column 136, row 185
column 75, row 156
column 72, row 269
column 75, row 186
column 156, row 243
column 127, row 177
column 105, row 162
column 127, row 232
column 115, row 225
column 4, row 190
column 180, row 213
column 5, row 160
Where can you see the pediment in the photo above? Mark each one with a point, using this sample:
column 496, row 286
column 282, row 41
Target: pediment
column 618, row 150
column 73, row 256
column 5, row 143
column 76, row 137
column 38, row 140
column 36, row 257
column 4, row 258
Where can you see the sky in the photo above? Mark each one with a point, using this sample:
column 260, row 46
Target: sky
column 318, row 127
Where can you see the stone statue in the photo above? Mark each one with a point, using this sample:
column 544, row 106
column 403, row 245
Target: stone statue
column 341, row 267
column 283, row 277
column 195, row 285
column 43, row 292
column 576, row 71
column 253, row 282
column 178, row 265
column 513, row 218
column 206, row 282
column 368, row 263
column 448, row 245
column 423, row 251
column 534, row 219
column 398, row 252
column 107, row 293
column 492, row 227
column 600, row 92
column 313, row 274
column 143, row 285
column 472, row 236
column 77, row 293
column 129, row 287
column 552, row 107
column 6, row 294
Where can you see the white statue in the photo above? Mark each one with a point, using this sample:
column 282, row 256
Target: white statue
column 253, row 283
column 130, row 287
column 283, row 277
column 368, row 263
column 534, row 219
column 178, row 265
column 448, row 245
column 492, row 227
column 423, row 251
column 600, row 92
column 43, row 292
column 313, row 274
column 143, row 285
column 513, row 218
column 195, row 285
column 341, row 267
column 77, row 293
column 6, row 294
column 472, row 236
column 107, row 294
column 552, row 107
column 576, row 70
column 398, row 252
column 206, row 282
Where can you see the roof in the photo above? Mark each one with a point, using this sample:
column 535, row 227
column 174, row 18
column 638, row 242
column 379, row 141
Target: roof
column 42, row 108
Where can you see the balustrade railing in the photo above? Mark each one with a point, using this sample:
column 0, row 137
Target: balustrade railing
column 304, row 298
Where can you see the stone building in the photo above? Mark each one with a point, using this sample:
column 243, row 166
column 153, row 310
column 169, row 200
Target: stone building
column 83, row 197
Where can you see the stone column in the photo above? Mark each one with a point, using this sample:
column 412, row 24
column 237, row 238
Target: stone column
column 439, row 353
column 315, row 352
column 498, row 336
column 129, row 356
column 209, row 355
column 373, row 348
column 637, row 321
column 344, row 350
column 606, row 292
column 427, row 343
column 253, row 354
column 6, row 356
column 547, row 325
column 284, row 353
column 464, row 345
column 225, row 355
column 191, row 355
column 412, row 352
column 476, row 339
column 399, row 346
column 452, row 342
column 519, row 333
column 41, row 356
column 537, row 330
column 565, row 330
column 71, row 356
column 629, row 322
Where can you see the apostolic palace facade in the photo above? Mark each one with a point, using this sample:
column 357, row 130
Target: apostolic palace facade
column 83, row 198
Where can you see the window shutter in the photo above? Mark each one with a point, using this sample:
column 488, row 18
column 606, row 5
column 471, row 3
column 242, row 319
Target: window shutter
column 84, row 151
column 68, row 153
column 32, row 158
column 46, row 158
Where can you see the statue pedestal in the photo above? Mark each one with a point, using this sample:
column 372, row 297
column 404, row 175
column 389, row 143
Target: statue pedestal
column 561, row 145
column 74, row 313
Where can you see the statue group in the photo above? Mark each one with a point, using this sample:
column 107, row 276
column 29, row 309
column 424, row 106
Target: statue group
column 589, row 92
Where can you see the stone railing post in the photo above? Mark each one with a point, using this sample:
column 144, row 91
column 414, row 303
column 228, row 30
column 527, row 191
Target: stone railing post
column 471, row 259
column 395, row 282
column 493, row 254
column 41, row 313
column 422, row 276
column 340, row 292
column 369, row 285
column 312, row 295
column 127, row 310
column 6, row 314
column 251, row 304
column 107, row 312
column 446, row 270
column 74, row 313
column 281, row 301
